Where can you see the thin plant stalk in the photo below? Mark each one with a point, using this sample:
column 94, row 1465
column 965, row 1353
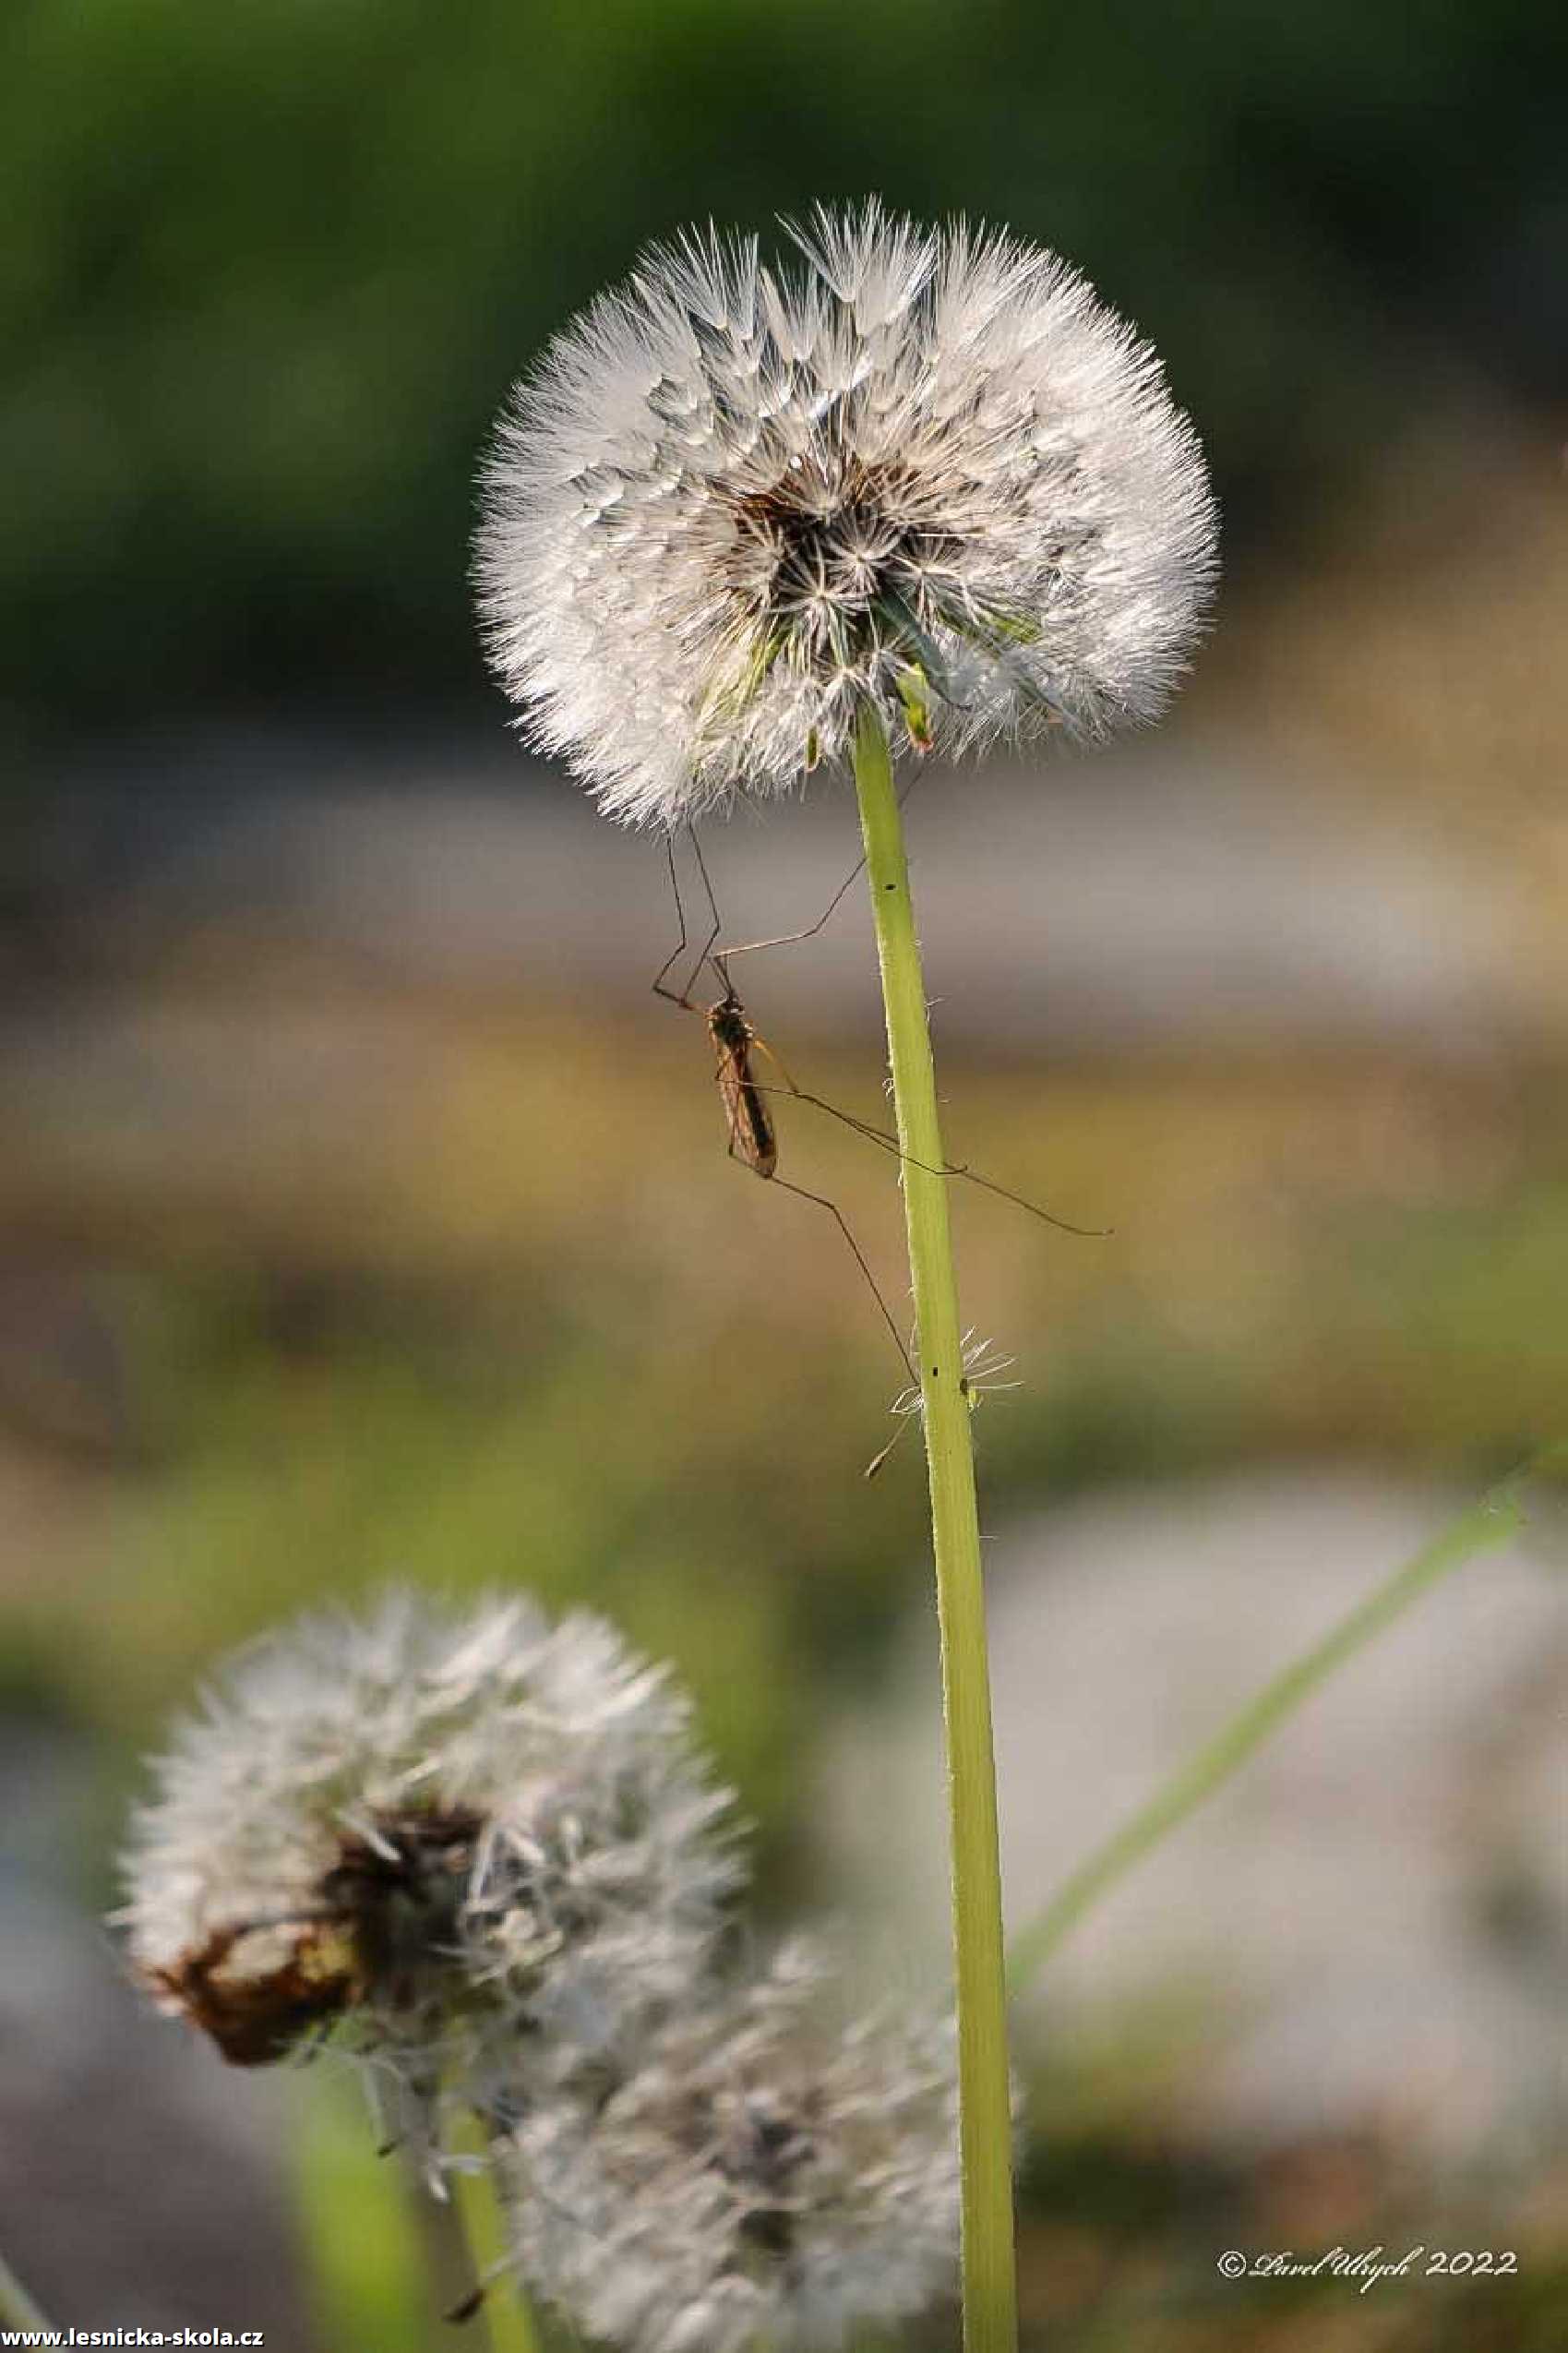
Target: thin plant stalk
column 16, row 2307
column 367, row 2285
column 986, row 2132
column 506, row 2310
column 1481, row 1529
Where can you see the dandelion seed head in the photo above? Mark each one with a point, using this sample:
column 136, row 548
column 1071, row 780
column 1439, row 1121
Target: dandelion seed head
column 925, row 469
column 766, row 2177
column 451, row 1828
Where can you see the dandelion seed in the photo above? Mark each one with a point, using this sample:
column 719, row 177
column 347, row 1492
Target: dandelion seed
column 766, row 2178
column 982, row 1367
column 980, row 1379
column 461, row 1832
column 929, row 470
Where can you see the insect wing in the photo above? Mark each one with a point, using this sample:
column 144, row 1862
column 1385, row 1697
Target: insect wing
column 751, row 1127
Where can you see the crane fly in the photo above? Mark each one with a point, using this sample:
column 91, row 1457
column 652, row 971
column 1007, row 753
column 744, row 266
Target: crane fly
column 753, row 1139
column 746, row 1096
column 752, row 1133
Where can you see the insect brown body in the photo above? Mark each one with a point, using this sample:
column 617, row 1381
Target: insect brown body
column 752, row 1138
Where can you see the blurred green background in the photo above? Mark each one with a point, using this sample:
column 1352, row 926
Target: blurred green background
column 362, row 1215
column 266, row 269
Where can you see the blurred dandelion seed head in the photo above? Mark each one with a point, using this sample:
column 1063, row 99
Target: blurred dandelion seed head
column 450, row 1827
column 766, row 2177
column 927, row 470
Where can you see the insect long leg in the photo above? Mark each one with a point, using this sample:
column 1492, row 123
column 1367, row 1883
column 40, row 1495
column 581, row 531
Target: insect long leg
column 837, row 1215
column 887, row 1142
column 753, row 1143
column 890, row 1143
column 684, row 998
column 789, row 939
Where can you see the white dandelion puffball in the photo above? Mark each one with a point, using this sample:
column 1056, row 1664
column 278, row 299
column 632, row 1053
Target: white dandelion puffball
column 435, row 1824
column 930, row 471
column 766, row 2178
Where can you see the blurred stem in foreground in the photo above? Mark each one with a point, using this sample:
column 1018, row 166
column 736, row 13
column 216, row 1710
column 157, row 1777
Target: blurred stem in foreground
column 367, row 2271
column 986, row 2123
column 1481, row 1529
column 16, row 2307
column 505, row 2310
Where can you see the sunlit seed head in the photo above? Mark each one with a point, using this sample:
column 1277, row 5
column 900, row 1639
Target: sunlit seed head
column 449, row 1828
column 767, row 2177
column 732, row 504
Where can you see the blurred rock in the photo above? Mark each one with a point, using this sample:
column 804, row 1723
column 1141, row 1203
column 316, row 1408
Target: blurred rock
column 1370, row 1922
column 1157, row 898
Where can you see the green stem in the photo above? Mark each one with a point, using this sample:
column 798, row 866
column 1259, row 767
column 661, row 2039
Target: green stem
column 990, row 2292
column 364, row 2259
column 16, row 2307
column 1481, row 1529
column 505, row 2310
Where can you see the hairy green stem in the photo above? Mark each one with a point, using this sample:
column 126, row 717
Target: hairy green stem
column 990, row 2292
column 505, row 2310
column 1481, row 1529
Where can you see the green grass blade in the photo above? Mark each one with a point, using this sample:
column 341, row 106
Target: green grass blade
column 1481, row 1529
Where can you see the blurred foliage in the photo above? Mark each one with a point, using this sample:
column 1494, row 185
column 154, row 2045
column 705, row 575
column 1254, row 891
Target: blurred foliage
column 267, row 270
